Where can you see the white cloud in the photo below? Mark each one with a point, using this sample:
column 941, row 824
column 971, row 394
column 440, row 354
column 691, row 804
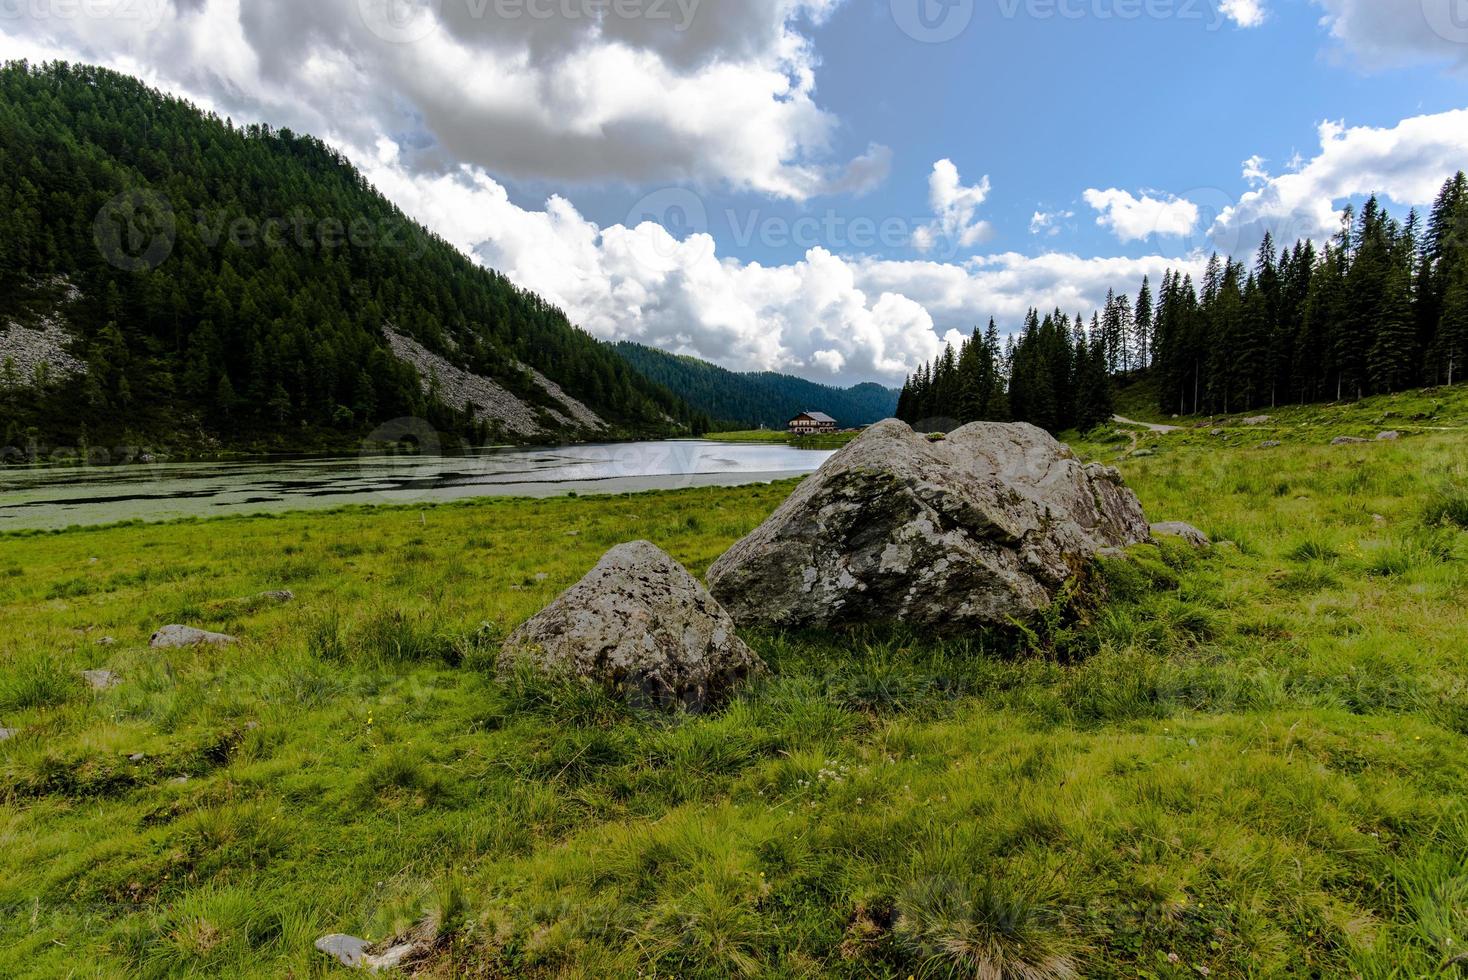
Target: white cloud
column 690, row 91
column 955, row 210
column 1245, row 13
column 1393, row 32
column 1254, row 173
column 1406, row 163
column 845, row 319
column 1048, row 222
column 1133, row 219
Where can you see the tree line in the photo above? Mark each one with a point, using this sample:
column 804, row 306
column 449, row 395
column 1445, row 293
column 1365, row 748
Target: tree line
column 276, row 333
column 1380, row 307
column 728, row 400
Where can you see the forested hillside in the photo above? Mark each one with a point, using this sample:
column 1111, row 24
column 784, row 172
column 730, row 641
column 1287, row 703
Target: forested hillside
column 745, row 400
column 234, row 286
column 1381, row 308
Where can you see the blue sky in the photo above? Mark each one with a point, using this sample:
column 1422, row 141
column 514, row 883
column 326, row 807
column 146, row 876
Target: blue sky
column 806, row 185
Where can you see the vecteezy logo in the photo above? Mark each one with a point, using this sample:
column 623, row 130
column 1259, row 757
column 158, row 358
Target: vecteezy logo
column 1448, row 19
column 682, row 218
column 135, row 231
column 932, row 21
column 401, row 21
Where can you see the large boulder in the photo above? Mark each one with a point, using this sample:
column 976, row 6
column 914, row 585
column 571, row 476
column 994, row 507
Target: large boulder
column 639, row 622
column 982, row 528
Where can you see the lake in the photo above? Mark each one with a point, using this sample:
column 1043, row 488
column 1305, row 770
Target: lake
column 56, row 497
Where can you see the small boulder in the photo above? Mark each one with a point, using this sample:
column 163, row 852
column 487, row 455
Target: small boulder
column 1177, row 529
column 979, row 530
column 1257, row 420
column 173, row 637
column 355, row 954
column 640, row 623
column 281, row 596
column 101, row 680
column 1218, row 432
column 6, row 734
column 1270, row 444
column 1347, row 441
column 1388, row 436
column 106, row 641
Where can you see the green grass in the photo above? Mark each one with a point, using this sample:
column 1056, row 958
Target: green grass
column 1250, row 763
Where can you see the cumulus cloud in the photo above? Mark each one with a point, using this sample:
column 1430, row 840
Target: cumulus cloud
column 665, row 91
column 839, row 318
column 1254, row 173
column 955, row 210
column 1393, row 32
column 1406, row 163
column 1245, row 13
column 1133, row 218
column 1048, row 222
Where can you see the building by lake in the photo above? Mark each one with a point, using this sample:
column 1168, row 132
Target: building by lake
column 811, row 423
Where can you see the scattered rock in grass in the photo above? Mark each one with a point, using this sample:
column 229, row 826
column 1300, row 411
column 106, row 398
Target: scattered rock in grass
column 173, row 637
column 1257, row 420
column 1219, row 432
column 1378, row 519
column 1347, row 441
column 542, row 576
column 981, row 529
column 101, row 680
column 1177, row 529
column 6, row 734
column 281, row 596
column 639, row 622
column 349, row 951
column 1142, row 454
column 355, row 953
column 1388, row 436
column 1270, row 444
column 106, row 641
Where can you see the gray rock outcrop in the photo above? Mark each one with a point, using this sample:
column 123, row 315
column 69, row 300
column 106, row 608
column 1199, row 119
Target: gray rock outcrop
column 638, row 622
column 1348, row 441
column 173, row 637
column 1388, row 436
column 1177, row 529
column 979, row 529
column 356, row 953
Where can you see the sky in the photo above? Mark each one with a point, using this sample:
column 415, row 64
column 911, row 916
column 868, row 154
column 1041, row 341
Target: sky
column 830, row 188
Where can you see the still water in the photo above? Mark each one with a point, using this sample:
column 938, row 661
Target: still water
column 60, row 497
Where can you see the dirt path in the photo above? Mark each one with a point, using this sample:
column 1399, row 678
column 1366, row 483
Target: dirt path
column 1147, row 425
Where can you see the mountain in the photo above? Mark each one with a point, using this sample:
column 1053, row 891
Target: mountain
column 169, row 277
column 761, row 398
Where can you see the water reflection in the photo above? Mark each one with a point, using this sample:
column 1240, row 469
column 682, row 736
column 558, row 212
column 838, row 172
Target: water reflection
column 58, row 497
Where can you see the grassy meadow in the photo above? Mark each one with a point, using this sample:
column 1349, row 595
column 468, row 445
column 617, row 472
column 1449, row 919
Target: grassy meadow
column 1252, row 762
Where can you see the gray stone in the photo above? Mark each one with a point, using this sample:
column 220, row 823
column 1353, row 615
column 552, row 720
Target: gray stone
column 1177, row 529
column 980, row 529
column 1388, row 436
column 172, row 637
column 1142, row 454
column 106, row 641
column 6, row 734
column 1257, row 420
column 1271, row 444
column 349, row 951
column 280, row 595
column 101, row 680
column 354, row 953
column 1218, row 432
column 1347, row 441
column 638, row 622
